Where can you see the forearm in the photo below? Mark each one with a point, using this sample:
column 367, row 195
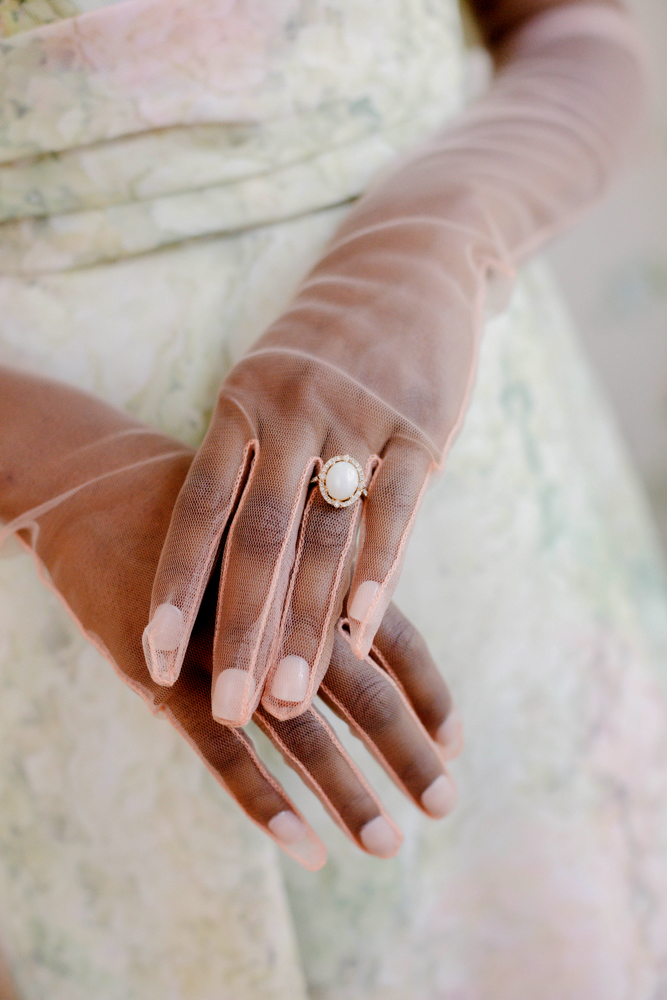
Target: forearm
column 55, row 439
column 499, row 20
column 536, row 151
column 414, row 257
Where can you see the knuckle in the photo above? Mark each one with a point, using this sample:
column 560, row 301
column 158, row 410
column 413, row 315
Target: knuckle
column 328, row 528
column 307, row 623
column 404, row 639
column 304, row 735
column 264, row 802
column 232, row 756
column 310, row 744
column 176, row 571
column 204, row 494
column 394, row 495
column 374, row 704
column 313, row 622
column 415, row 770
column 240, row 775
column 356, row 808
column 239, row 634
column 263, row 525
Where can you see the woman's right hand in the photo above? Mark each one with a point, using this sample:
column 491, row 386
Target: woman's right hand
column 92, row 491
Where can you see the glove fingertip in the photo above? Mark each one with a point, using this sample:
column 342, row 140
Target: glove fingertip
column 365, row 613
column 162, row 640
column 293, row 835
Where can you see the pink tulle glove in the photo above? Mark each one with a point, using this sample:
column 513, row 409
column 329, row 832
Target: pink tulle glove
column 375, row 359
column 91, row 490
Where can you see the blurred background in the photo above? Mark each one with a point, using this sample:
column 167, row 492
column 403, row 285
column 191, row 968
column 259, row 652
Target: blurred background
column 613, row 270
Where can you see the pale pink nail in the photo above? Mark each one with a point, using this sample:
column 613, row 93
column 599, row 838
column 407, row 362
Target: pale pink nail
column 379, row 838
column 310, row 852
column 300, row 842
column 440, row 797
column 290, row 681
column 363, row 598
column 165, row 629
column 287, row 827
column 161, row 638
column 450, row 736
column 233, row 694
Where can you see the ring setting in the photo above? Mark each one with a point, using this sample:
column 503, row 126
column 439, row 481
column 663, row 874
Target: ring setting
column 341, row 481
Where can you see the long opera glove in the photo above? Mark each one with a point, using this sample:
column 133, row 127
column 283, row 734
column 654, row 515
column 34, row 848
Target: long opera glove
column 375, row 358
column 90, row 491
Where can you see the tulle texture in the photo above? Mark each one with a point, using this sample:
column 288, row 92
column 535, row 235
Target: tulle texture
column 90, row 490
column 375, row 358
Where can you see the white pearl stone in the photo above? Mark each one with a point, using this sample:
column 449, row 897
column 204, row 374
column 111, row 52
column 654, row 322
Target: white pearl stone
column 342, row 480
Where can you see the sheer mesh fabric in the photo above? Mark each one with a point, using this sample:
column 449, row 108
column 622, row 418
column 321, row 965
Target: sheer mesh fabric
column 90, row 491
column 250, row 581
column 375, row 358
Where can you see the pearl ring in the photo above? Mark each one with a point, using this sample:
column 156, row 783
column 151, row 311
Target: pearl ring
column 341, row 481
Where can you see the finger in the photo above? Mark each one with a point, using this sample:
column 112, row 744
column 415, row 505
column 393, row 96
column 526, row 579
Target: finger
column 394, row 497
column 231, row 758
column 258, row 559
column 378, row 712
column 401, row 651
column 314, row 601
column 311, row 748
column 198, row 521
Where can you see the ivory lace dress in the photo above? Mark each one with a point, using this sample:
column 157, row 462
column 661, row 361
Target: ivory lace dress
column 168, row 173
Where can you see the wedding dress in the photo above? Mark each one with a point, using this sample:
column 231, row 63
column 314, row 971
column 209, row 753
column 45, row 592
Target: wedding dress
column 161, row 200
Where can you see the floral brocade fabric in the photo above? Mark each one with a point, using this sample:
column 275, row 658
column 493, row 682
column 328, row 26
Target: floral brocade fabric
column 23, row 15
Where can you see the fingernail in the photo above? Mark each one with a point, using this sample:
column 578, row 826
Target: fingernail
column 287, row 827
column 440, row 797
column 379, row 838
column 450, row 736
column 298, row 840
column 165, row 628
column 234, row 689
column 162, row 637
column 363, row 599
column 290, row 681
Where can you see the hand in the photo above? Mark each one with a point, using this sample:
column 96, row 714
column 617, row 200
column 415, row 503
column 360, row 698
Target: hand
column 288, row 554
column 392, row 701
column 92, row 491
column 375, row 358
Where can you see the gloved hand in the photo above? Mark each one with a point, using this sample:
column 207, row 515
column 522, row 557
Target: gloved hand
column 91, row 490
column 375, row 359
